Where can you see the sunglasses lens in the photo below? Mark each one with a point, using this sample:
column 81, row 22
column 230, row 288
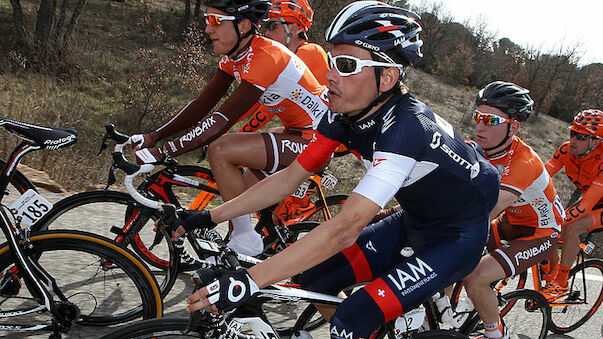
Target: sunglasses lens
column 345, row 65
column 271, row 25
column 579, row 136
column 212, row 20
column 489, row 119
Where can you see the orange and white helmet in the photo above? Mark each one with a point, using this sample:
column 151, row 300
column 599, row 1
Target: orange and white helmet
column 589, row 121
column 294, row 11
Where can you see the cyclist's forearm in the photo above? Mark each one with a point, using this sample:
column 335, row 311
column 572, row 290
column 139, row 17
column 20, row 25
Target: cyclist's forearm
column 591, row 197
column 263, row 194
column 190, row 114
column 209, row 129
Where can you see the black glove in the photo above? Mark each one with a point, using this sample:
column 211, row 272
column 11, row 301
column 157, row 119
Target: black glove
column 155, row 156
column 231, row 289
column 144, row 140
column 197, row 219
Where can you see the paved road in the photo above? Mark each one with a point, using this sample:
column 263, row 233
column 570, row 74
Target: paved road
column 97, row 220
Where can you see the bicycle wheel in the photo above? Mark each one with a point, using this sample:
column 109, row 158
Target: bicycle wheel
column 105, row 293
column 319, row 213
column 583, row 298
column 529, row 316
column 109, row 213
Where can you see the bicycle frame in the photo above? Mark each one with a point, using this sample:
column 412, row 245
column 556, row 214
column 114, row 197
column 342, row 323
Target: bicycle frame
column 34, row 276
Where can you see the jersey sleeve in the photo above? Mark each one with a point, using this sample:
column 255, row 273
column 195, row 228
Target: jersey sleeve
column 556, row 162
column 386, row 176
column 318, row 151
column 519, row 176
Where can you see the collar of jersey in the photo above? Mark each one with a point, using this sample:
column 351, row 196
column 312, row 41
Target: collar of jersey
column 374, row 121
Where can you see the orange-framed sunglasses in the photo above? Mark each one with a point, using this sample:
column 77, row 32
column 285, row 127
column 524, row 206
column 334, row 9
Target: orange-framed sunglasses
column 491, row 119
column 213, row 19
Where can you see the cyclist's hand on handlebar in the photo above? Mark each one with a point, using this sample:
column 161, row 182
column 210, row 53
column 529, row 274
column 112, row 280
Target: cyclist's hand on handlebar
column 153, row 156
column 231, row 289
column 189, row 220
column 140, row 141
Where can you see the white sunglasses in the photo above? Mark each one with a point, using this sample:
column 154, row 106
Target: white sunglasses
column 347, row 65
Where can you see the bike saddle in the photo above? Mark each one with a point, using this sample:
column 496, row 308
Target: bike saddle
column 45, row 137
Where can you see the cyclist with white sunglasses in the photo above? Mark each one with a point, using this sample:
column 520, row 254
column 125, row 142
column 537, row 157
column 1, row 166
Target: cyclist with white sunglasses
column 269, row 74
column 528, row 213
column 445, row 186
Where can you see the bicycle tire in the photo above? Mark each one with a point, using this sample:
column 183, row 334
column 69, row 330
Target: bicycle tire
column 580, row 305
column 163, row 327
column 116, row 207
column 529, row 316
column 80, row 251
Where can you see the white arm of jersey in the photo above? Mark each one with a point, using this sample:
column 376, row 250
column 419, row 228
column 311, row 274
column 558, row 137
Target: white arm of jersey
column 385, row 177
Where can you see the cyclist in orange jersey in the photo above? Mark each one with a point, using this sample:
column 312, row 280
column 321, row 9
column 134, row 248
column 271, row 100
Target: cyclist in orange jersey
column 582, row 158
column 267, row 73
column 527, row 215
column 288, row 23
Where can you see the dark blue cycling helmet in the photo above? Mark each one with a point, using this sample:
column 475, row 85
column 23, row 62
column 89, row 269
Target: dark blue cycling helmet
column 390, row 32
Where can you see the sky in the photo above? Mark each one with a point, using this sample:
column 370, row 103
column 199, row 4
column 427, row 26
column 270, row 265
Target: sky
column 540, row 24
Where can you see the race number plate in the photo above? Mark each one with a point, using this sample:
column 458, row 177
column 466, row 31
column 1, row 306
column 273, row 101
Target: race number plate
column 301, row 191
column 329, row 181
column 29, row 208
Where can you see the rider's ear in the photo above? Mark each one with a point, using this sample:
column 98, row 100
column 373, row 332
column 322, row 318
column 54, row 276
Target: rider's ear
column 244, row 26
column 514, row 128
column 389, row 78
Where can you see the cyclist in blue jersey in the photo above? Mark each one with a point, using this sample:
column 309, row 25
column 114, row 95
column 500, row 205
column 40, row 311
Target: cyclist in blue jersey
column 445, row 186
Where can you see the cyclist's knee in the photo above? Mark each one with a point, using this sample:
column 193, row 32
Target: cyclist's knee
column 350, row 325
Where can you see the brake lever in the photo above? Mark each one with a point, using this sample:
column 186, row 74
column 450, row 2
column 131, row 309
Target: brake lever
column 103, row 143
column 195, row 317
column 111, row 180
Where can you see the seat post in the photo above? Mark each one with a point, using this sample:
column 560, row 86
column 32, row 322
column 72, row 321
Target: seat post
column 12, row 161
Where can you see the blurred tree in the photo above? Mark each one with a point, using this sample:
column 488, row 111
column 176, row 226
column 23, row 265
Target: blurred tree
column 50, row 34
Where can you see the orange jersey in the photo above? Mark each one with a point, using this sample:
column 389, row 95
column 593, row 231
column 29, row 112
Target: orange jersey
column 290, row 90
column 523, row 172
column 586, row 173
column 315, row 58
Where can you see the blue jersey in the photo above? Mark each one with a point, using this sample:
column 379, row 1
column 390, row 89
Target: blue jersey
column 417, row 157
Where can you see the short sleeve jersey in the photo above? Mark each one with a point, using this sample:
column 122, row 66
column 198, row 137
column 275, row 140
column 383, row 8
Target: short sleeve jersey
column 522, row 172
column 417, row 157
column 290, row 89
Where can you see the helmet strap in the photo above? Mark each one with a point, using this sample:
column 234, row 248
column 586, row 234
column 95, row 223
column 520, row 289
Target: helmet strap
column 289, row 35
column 240, row 38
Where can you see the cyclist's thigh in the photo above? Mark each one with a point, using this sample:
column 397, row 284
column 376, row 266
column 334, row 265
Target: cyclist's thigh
column 247, row 149
column 521, row 253
column 407, row 284
column 374, row 251
column 281, row 150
